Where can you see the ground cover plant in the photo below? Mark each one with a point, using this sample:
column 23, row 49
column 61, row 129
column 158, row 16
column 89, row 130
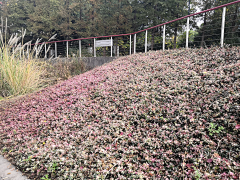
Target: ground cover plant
column 172, row 114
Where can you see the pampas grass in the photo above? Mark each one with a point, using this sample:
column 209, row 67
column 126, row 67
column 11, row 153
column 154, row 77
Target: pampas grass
column 19, row 71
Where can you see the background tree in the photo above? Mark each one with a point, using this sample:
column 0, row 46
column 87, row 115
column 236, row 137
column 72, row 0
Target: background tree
column 210, row 30
column 115, row 18
column 175, row 9
column 17, row 14
column 44, row 20
column 155, row 15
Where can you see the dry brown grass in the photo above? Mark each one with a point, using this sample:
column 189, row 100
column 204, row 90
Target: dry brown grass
column 62, row 70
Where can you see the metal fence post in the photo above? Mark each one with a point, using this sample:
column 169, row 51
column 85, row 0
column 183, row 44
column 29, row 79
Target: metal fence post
column 55, row 49
column 164, row 29
column 20, row 53
column 135, row 37
column 111, row 46
column 45, row 45
column 67, row 49
column 28, row 51
column 94, row 44
column 130, row 51
column 80, row 48
column 223, row 25
column 187, row 33
column 146, row 41
column 35, row 51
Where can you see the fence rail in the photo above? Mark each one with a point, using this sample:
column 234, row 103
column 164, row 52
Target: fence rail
column 156, row 37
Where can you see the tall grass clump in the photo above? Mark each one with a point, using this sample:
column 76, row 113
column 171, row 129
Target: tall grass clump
column 19, row 71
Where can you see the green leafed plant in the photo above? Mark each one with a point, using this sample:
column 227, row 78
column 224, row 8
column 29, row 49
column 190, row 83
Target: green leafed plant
column 45, row 177
column 214, row 130
column 4, row 150
column 28, row 159
column 197, row 174
column 53, row 168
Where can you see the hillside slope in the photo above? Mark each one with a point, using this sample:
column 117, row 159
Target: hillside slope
column 157, row 115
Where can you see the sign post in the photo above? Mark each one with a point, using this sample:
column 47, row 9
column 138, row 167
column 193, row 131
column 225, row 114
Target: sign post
column 103, row 43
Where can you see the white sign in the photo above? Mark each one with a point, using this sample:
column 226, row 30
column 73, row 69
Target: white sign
column 103, row 43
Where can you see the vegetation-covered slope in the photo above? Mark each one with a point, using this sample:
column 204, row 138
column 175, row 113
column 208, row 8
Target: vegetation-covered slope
column 158, row 115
